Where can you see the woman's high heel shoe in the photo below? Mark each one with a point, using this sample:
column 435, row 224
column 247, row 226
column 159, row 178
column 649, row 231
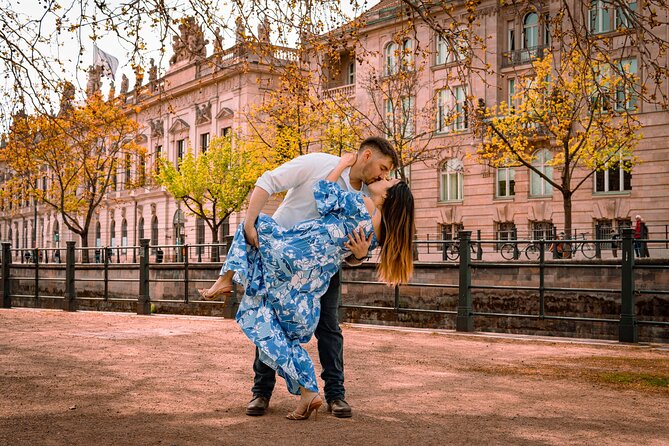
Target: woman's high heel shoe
column 315, row 403
column 222, row 292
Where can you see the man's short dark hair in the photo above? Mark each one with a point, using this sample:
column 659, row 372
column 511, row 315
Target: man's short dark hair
column 381, row 145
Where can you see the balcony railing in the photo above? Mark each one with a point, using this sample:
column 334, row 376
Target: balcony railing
column 522, row 56
column 347, row 91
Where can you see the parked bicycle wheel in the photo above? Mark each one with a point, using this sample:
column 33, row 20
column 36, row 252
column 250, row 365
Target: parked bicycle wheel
column 532, row 252
column 453, row 251
column 507, row 250
column 588, row 249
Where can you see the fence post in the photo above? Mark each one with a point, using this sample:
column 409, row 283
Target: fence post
column 36, row 261
column 627, row 331
column 479, row 248
column 144, row 300
column 542, row 275
column 516, row 251
column 464, row 320
column 69, row 304
column 6, row 281
column 186, row 280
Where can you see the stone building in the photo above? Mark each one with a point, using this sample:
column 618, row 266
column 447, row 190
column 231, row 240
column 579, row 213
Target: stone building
column 455, row 191
column 201, row 96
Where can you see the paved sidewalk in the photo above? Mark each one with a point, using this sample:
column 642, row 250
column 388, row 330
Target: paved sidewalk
column 91, row 378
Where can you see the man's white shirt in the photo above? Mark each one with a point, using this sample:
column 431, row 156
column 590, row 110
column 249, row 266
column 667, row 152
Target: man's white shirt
column 298, row 177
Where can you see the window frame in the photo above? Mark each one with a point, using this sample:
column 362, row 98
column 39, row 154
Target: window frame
column 546, row 187
column 510, row 179
column 451, row 168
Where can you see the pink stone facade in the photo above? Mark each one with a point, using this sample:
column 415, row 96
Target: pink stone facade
column 195, row 101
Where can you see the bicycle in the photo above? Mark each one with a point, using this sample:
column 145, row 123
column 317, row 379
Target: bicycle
column 582, row 244
column 532, row 250
column 452, row 249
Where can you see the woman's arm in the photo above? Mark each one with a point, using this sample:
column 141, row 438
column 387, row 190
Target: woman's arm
column 346, row 161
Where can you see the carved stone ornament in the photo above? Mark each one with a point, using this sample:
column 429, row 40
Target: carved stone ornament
column 157, row 130
column 190, row 43
column 179, row 126
column 203, row 113
column 125, row 83
column 94, row 82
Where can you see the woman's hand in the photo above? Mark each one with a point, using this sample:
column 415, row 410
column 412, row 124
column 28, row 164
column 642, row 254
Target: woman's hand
column 359, row 244
column 348, row 159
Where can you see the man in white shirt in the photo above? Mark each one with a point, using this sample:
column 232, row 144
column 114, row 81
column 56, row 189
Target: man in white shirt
column 376, row 158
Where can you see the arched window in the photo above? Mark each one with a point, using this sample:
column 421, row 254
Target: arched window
column 199, row 236
column 56, row 234
column 531, row 31
column 98, row 235
column 112, row 233
column 124, row 235
column 407, row 54
column 140, row 228
column 538, row 186
column 452, row 179
column 154, row 231
column 9, row 233
column 391, row 53
column 179, row 224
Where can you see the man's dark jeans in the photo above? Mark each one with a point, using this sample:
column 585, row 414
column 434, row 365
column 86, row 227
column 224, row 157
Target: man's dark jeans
column 330, row 351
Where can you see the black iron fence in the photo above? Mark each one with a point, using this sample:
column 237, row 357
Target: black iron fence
column 178, row 259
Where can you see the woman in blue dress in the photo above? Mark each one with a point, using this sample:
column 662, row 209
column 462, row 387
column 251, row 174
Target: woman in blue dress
column 285, row 278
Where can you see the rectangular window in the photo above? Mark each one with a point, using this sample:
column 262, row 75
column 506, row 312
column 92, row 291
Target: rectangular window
column 128, row 167
column 181, row 146
column 506, row 182
column 449, row 232
column 461, row 118
column 390, row 118
column 159, row 153
column 600, row 16
column 511, row 84
column 442, row 101
column 613, row 179
column 226, row 131
column 511, row 36
column 625, row 96
column 506, row 231
column 623, row 16
column 441, row 50
column 407, row 117
column 541, row 230
column 204, row 142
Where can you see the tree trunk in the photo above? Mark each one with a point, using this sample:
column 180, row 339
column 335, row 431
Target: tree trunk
column 215, row 250
column 566, row 202
column 84, row 244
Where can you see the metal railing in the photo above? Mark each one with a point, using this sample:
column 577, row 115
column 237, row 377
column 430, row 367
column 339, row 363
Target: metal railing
column 180, row 257
column 465, row 313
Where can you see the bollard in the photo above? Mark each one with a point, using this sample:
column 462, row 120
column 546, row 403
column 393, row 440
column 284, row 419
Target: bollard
column 464, row 320
column 144, row 300
column 70, row 303
column 6, row 281
column 627, row 331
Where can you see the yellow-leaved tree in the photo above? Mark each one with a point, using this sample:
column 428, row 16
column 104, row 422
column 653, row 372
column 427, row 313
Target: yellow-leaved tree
column 568, row 120
column 71, row 161
column 216, row 183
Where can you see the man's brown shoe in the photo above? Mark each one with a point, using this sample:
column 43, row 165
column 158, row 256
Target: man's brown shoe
column 340, row 409
column 257, row 406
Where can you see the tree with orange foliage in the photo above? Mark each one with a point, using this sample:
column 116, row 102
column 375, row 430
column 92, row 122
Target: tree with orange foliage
column 71, row 161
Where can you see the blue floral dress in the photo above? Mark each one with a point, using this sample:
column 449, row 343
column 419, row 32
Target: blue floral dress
column 285, row 278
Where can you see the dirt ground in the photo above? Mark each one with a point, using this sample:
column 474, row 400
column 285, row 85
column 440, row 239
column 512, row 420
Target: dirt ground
column 91, row 378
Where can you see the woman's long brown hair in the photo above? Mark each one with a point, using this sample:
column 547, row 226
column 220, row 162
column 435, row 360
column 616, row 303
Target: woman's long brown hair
column 396, row 235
